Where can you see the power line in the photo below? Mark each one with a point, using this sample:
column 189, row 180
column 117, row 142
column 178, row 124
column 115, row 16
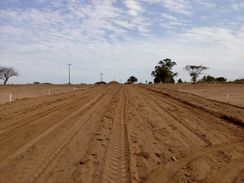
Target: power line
column 69, row 72
column 101, row 76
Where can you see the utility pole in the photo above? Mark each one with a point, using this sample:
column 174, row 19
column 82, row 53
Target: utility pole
column 69, row 72
column 101, row 76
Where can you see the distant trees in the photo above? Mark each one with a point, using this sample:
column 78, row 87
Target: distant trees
column 221, row 79
column 163, row 71
column 6, row 73
column 209, row 79
column 195, row 71
column 100, row 83
column 239, row 81
column 132, row 79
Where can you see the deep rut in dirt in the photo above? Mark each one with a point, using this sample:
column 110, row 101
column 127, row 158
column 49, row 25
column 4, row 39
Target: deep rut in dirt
column 117, row 160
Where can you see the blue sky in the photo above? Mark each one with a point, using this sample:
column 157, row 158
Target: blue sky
column 119, row 38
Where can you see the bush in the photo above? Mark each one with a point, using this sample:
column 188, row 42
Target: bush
column 239, row 81
column 210, row 79
column 220, row 79
column 101, row 83
column 179, row 81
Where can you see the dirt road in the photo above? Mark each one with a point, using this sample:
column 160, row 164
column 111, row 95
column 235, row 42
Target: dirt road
column 121, row 133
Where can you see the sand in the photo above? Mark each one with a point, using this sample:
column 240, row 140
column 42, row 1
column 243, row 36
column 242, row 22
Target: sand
column 121, row 133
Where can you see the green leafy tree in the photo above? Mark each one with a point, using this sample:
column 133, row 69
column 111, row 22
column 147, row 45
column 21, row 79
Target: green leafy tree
column 6, row 73
column 195, row 71
column 163, row 71
column 132, row 79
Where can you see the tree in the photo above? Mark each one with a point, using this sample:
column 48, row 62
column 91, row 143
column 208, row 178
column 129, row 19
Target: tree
column 132, row 79
column 221, row 79
column 6, row 73
column 213, row 79
column 208, row 78
column 163, row 71
column 239, row 81
column 179, row 81
column 195, row 71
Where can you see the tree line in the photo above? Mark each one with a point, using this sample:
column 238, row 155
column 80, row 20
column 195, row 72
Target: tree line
column 162, row 73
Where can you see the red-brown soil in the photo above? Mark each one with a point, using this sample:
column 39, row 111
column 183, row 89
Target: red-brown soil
column 121, row 133
column 226, row 92
column 29, row 91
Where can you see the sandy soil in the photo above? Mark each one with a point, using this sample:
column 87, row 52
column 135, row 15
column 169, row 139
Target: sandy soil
column 229, row 93
column 29, row 91
column 121, row 133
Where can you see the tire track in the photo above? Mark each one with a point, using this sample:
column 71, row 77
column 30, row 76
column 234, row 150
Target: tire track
column 117, row 162
column 121, row 134
column 82, row 127
column 80, row 167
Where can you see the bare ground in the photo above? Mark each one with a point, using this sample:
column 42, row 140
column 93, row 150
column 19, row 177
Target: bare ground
column 121, row 133
column 226, row 92
column 34, row 90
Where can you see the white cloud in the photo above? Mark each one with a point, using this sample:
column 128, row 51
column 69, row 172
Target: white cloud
column 179, row 6
column 206, row 3
column 173, row 23
column 134, row 7
column 215, row 35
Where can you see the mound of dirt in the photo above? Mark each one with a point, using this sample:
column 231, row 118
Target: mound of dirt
column 113, row 83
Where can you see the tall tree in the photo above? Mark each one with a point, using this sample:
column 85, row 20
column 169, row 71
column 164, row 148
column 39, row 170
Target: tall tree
column 6, row 73
column 195, row 71
column 163, row 71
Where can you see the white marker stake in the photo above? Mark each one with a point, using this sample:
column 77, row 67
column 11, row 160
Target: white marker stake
column 10, row 97
column 49, row 92
column 227, row 95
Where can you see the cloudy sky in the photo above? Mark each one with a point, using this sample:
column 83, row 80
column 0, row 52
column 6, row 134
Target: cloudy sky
column 119, row 38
